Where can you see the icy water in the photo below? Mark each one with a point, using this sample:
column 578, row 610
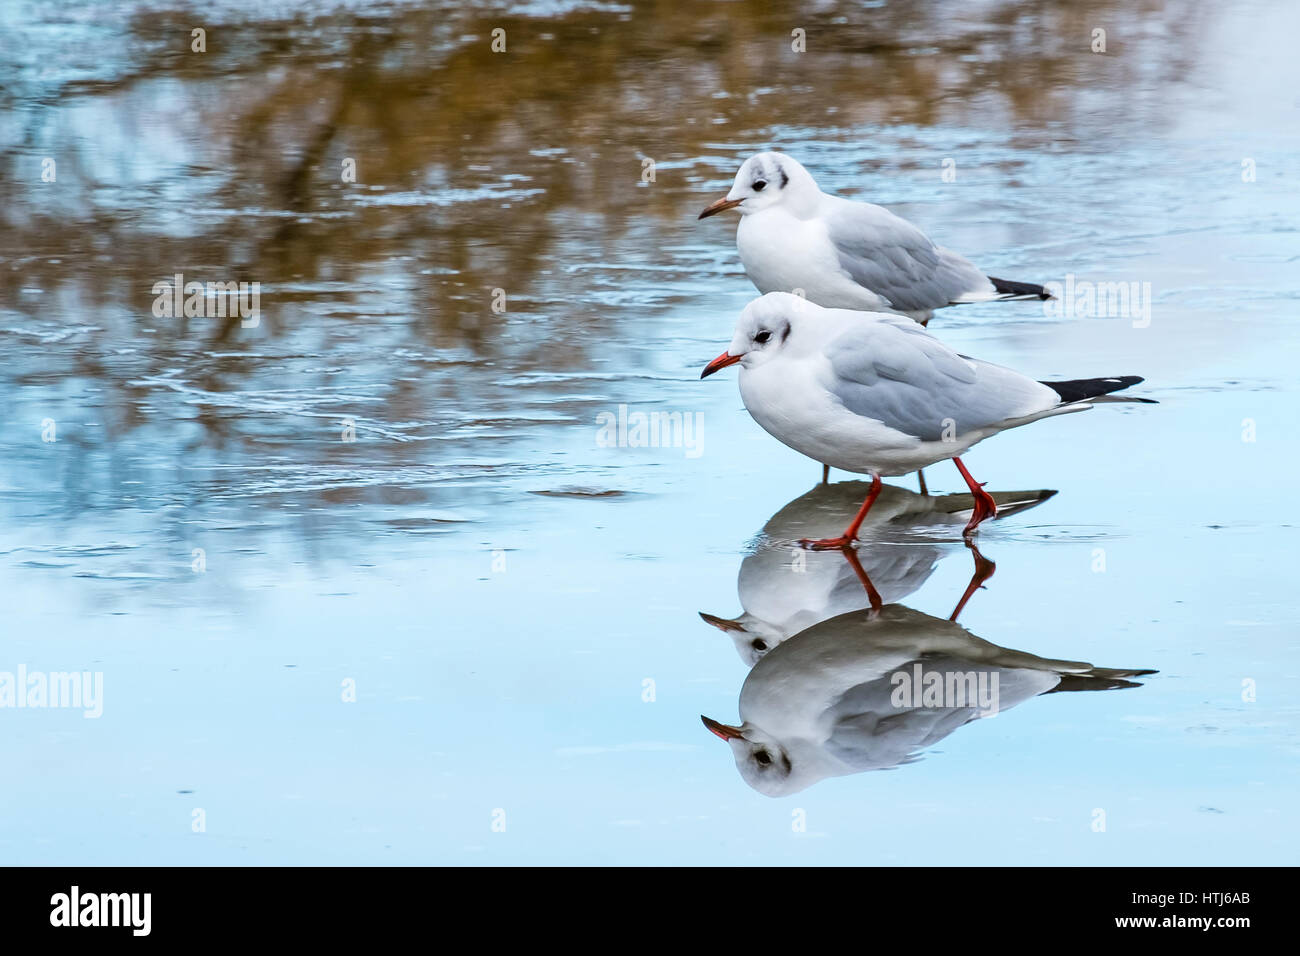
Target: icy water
column 366, row 582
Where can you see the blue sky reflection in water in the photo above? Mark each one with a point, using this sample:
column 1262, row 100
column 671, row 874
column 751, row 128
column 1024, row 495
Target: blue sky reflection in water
column 498, row 585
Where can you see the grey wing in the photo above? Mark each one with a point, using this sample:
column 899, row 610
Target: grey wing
column 895, row 259
column 874, row 734
column 892, row 371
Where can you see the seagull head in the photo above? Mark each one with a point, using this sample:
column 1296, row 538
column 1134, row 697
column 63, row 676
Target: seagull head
column 762, row 762
column 767, row 765
column 762, row 331
column 765, row 180
column 753, row 638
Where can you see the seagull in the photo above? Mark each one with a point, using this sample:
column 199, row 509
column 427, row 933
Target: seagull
column 876, row 394
column 842, row 254
column 826, row 702
column 784, row 590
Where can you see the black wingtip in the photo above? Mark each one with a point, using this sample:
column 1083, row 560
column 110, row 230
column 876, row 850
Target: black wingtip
column 1010, row 287
column 1079, row 389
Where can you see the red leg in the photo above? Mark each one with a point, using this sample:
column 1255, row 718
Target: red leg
column 985, row 507
column 851, row 533
column 826, row 474
column 920, row 476
column 873, row 595
column 984, row 569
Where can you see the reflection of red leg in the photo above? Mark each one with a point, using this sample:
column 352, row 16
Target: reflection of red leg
column 984, row 569
column 851, row 533
column 851, row 556
column 826, row 474
column 984, row 504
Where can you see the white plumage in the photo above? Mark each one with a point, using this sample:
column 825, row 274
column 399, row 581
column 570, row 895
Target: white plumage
column 780, row 601
column 876, row 394
column 873, row 393
column 823, row 703
column 843, row 254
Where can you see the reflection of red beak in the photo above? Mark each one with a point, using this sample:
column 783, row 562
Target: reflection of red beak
column 724, row 731
column 722, row 623
column 722, row 361
column 722, row 205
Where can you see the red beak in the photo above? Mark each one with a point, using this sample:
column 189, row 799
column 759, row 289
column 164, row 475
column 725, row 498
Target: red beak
column 725, row 731
column 722, row 623
column 722, row 205
column 722, row 361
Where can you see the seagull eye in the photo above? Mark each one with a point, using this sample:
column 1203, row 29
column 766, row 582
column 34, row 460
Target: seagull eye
column 758, row 645
column 763, row 757
column 762, row 337
column 759, row 184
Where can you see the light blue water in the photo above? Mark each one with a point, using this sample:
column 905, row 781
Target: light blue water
column 498, row 587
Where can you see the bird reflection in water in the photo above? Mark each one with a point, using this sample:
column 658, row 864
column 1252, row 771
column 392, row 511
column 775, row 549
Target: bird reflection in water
column 844, row 679
column 785, row 589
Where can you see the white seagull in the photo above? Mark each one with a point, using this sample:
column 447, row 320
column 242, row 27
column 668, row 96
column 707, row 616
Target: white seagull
column 876, row 394
column 844, row 254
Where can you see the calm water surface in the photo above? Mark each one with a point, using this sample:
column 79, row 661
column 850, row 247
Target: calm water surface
column 517, row 605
